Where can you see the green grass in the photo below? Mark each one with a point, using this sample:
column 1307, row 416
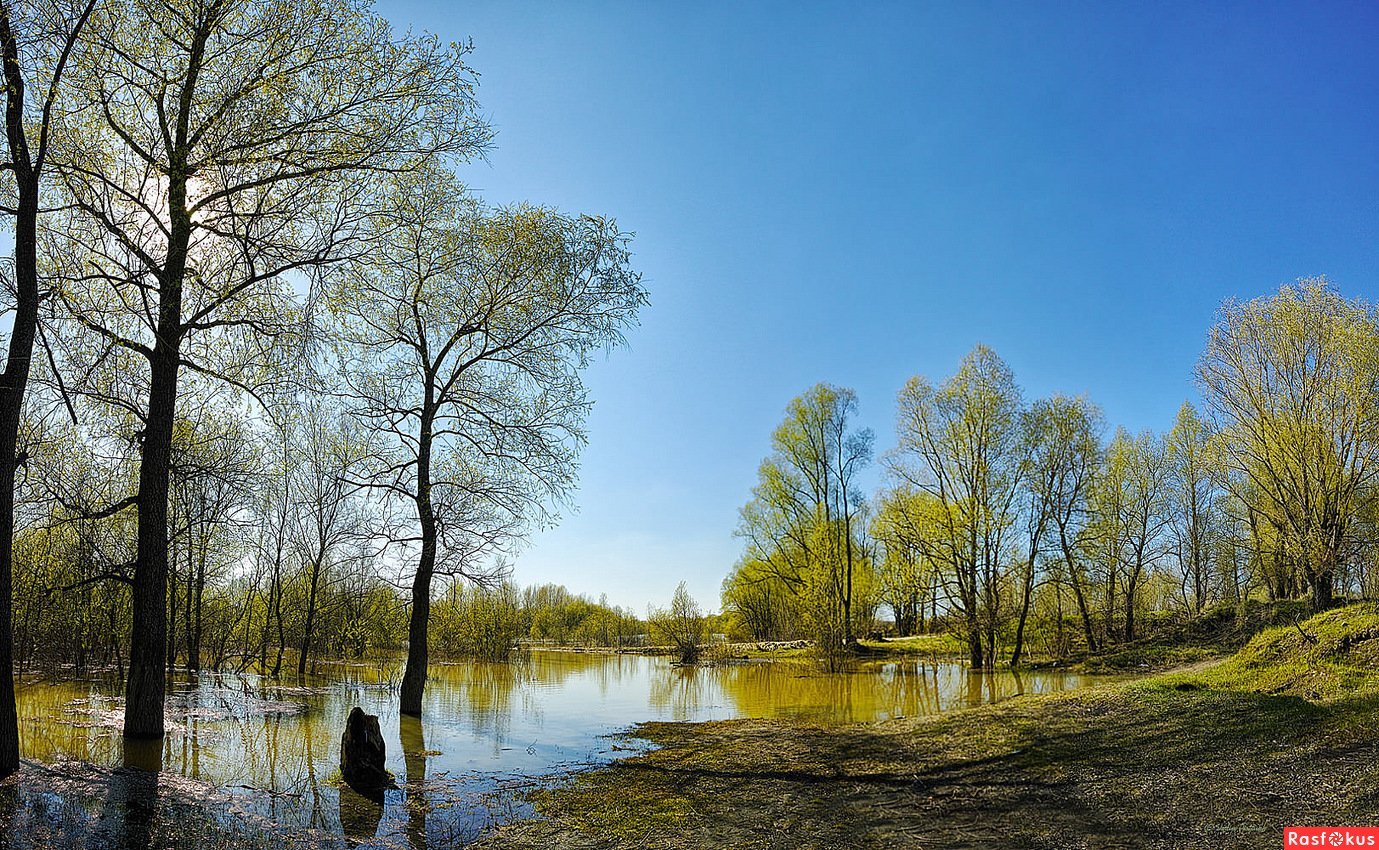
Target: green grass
column 1178, row 640
column 1331, row 658
column 942, row 643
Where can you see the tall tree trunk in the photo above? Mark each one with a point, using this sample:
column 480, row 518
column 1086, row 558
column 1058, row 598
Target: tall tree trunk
column 15, row 380
column 310, row 619
column 418, row 650
column 1078, row 595
column 12, row 387
column 147, row 683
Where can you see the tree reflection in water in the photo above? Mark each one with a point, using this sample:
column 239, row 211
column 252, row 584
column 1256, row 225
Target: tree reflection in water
column 131, row 798
column 413, row 737
column 266, row 753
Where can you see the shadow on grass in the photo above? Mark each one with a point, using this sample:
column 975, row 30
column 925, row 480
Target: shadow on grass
column 1133, row 766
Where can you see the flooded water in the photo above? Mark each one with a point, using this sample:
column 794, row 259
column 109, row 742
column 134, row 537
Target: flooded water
column 489, row 731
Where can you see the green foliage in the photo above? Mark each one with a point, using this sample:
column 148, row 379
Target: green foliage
column 1331, row 656
column 805, row 528
column 479, row 622
column 1289, row 382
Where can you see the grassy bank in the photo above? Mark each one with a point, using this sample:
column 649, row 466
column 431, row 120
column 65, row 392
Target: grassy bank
column 1175, row 640
column 1223, row 755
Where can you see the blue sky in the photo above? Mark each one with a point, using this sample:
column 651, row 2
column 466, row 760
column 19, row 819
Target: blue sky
column 856, row 193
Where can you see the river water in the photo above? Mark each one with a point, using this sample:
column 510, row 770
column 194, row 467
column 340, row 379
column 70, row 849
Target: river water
column 489, row 731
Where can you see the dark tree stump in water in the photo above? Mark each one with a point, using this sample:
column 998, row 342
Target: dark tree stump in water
column 362, row 755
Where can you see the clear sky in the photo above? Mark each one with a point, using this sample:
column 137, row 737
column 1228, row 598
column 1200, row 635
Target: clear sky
column 856, row 193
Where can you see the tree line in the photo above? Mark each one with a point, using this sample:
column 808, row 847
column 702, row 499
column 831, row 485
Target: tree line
column 1025, row 524
column 268, row 357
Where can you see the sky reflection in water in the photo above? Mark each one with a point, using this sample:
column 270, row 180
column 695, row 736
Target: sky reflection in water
column 489, row 731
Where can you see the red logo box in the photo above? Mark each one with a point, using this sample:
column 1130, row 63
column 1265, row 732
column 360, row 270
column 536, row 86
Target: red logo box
column 1331, row 836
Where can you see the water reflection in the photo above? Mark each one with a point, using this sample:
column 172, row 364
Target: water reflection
column 131, row 797
column 359, row 816
column 413, row 737
column 488, row 728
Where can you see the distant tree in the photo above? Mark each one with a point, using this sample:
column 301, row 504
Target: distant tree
column 1042, row 456
column 1195, row 516
column 332, row 520
column 905, row 573
column 1129, row 502
column 1289, row 384
column 766, row 607
column 805, row 522
column 1073, row 457
column 680, row 626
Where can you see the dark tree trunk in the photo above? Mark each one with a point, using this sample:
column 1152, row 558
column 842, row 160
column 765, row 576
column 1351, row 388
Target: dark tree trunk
column 15, row 380
column 12, row 386
column 1322, row 585
column 418, row 655
column 310, row 620
column 27, row 169
column 418, row 650
column 147, row 679
column 974, row 642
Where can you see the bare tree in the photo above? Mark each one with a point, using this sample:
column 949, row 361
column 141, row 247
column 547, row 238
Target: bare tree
column 462, row 338
column 681, row 625
column 331, row 525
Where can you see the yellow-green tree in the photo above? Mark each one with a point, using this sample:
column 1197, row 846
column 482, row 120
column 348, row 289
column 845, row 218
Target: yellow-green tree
column 905, row 572
column 960, row 442
column 1129, row 508
column 805, row 523
column 1289, row 381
